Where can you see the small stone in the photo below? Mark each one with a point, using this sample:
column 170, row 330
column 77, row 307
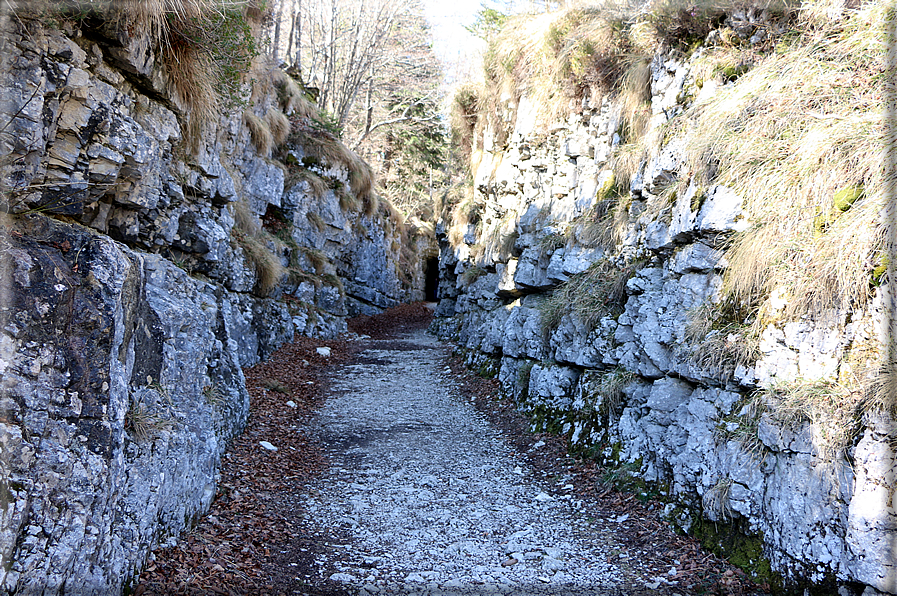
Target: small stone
column 325, row 351
column 544, row 497
column 509, row 562
column 342, row 577
column 267, row 445
column 291, row 404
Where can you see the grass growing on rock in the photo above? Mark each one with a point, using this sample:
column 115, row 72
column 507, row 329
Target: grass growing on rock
column 261, row 249
column 598, row 292
column 790, row 136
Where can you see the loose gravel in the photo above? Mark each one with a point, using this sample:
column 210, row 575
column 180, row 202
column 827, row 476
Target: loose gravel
column 423, row 496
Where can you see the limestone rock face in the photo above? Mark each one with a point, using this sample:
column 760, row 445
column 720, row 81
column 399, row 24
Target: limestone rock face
column 648, row 381
column 122, row 385
column 130, row 300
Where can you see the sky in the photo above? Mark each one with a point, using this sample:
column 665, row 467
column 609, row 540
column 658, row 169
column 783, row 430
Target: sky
column 461, row 52
column 452, row 43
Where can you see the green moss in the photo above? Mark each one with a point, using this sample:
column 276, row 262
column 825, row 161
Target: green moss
column 310, row 161
column 847, row 196
column 523, row 374
column 486, row 372
column 730, row 72
column 731, row 541
column 880, row 271
column 608, row 186
column 697, row 201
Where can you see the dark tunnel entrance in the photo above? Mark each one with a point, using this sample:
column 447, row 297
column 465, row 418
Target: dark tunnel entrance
column 431, row 283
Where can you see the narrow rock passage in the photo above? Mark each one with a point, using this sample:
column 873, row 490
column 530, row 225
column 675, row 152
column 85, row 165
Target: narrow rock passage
column 424, row 497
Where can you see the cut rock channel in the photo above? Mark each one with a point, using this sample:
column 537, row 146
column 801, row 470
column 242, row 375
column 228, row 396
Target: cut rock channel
column 423, row 496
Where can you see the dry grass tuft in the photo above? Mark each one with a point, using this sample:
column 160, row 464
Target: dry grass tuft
column 604, row 224
column 316, row 220
column 317, row 259
column 349, row 203
column 260, row 133
column 635, row 95
column 143, row 422
column 626, row 161
column 293, row 100
column 721, row 351
column 261, row 249
column 589, row 296
column 361, row 178
column 317, row 186
column 279, row 125
column 833, row 411
column 191, row 77
column 244, row 220
column 716, row 500
column 324, row 147
column 205, row 46
column 370, row 204
column 611, row 389
column 471, row 274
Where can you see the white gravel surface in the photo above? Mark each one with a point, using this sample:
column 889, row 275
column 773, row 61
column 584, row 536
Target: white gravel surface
column 426, row 497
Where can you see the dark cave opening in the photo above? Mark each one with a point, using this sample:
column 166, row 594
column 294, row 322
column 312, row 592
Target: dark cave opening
column 431, row 283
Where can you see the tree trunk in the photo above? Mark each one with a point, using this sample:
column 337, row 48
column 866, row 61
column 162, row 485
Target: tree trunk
column 277, row 12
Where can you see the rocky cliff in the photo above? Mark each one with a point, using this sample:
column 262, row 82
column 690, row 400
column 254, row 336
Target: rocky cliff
column 595, row 271
column 149, row 251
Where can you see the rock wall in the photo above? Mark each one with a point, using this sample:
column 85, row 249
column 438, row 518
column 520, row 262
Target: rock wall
column 630, row 387
column 128, row 304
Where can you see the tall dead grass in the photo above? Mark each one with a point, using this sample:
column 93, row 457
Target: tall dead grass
column 292, row 99
column 557, row 57
column 323, row 146
column 598, row 292
column 792, row 133
column 188, row 36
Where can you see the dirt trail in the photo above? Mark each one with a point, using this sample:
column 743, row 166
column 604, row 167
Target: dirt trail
column 425, row 497
column 399, row 473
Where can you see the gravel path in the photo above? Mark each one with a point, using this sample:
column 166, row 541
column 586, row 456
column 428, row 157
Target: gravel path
column 424, row 497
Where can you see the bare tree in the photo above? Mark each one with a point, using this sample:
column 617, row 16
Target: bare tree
column 375, row 73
